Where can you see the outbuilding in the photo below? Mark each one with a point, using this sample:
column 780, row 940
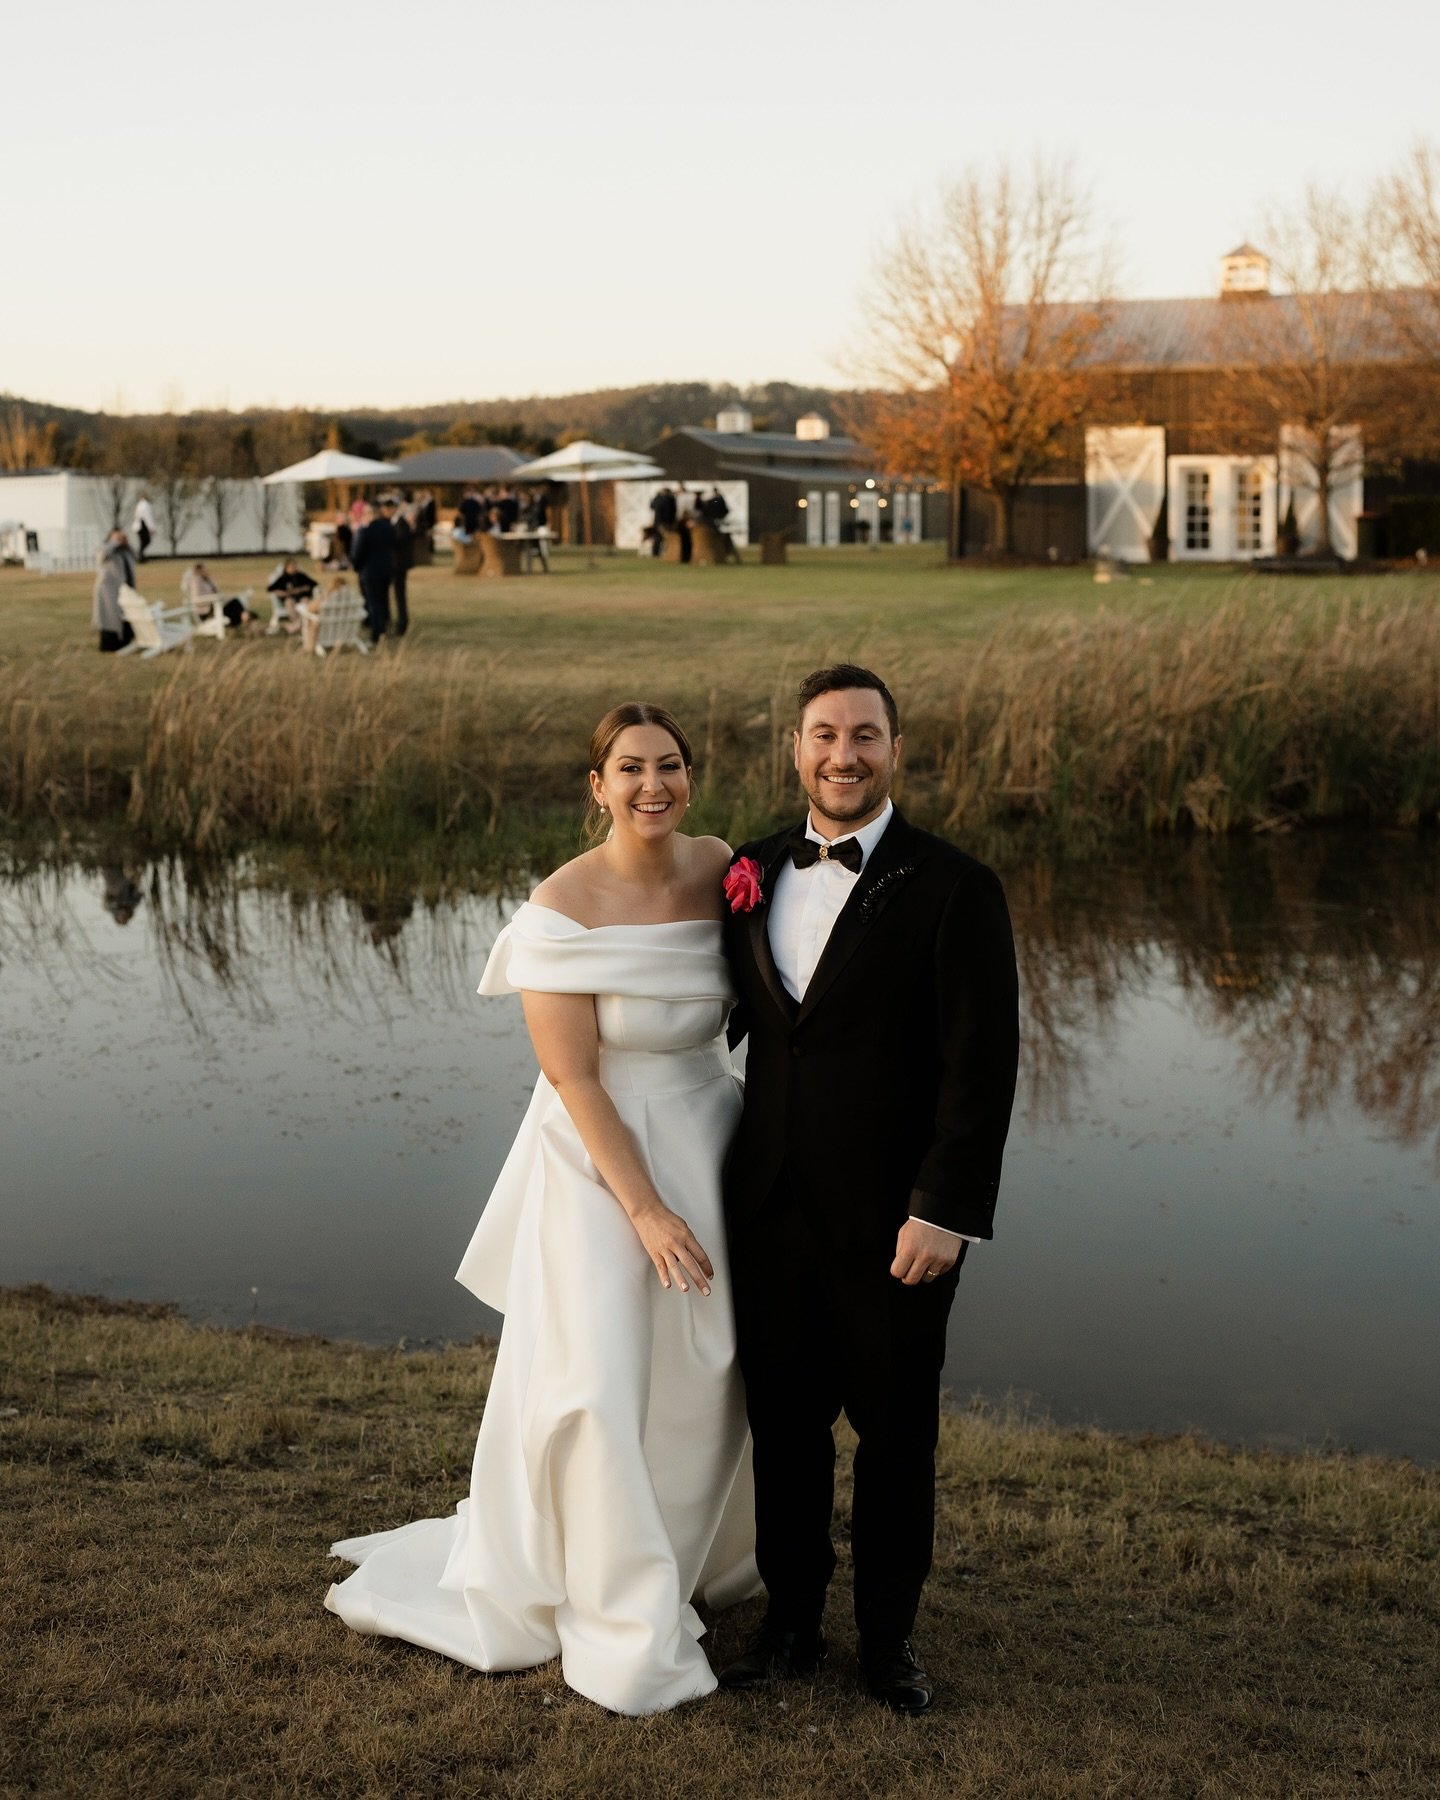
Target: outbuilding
column 821, row 488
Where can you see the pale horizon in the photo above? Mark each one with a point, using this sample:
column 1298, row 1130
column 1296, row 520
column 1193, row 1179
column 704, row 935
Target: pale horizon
column 270, row 208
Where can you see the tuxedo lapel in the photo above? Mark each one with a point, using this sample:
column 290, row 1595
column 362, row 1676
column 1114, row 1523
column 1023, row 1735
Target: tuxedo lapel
column 888, row 858
column 757, row 923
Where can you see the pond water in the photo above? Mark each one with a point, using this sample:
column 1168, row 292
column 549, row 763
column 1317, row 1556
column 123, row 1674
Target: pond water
column 1219, row 1208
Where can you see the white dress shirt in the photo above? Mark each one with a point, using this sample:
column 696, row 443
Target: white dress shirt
column 804, row 905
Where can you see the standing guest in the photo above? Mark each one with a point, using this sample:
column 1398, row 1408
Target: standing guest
column 509, row 504
column 404, row 557
column 372, row 556
column 289, row 585
column 341, row 545
column 471, row 514
column 115, row 569
column 428, row 514
column 664, row 510
column 537, row 518
column 142, row 525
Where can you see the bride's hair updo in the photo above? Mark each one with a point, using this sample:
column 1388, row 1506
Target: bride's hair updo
column 602, row 742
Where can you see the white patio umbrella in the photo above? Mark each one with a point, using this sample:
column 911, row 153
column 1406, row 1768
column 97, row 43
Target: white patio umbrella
column 333, row 465
column 586, row 462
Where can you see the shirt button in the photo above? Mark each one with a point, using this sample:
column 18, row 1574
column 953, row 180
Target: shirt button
column 794, row 1049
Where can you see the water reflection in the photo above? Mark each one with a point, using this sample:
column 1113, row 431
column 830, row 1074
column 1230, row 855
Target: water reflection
column 1319, row 959
column 1219, row 1205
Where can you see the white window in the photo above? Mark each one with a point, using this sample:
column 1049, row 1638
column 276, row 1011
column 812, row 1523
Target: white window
column 1197, row 509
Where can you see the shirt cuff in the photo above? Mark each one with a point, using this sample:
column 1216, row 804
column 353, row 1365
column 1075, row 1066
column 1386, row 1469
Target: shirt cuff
column 963, row 1236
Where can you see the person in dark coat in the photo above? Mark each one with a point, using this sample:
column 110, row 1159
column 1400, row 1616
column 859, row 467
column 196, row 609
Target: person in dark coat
column 876, row 982
column 664, row 510
column 114, row 570
column 404, row 557
column 372, row 556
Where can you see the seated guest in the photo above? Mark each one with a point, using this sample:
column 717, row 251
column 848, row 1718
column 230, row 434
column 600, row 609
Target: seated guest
column 288, row 584
column 202, row 596
column 310, row 617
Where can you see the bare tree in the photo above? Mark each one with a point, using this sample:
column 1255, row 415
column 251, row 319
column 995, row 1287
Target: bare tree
column 124, row 455
column 175, row 479
column 1312, row 368
column 220, row 495
column 983, row 320
column 273, row 442
column 1405, row 273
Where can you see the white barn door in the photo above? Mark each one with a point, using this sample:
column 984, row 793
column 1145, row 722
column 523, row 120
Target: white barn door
column 1124, row 486
column 832, row 518
column 814, row 518
column 1347, row 486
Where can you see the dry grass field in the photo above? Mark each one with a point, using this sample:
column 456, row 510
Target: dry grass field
column 1185, row 698
column 1111, row 1617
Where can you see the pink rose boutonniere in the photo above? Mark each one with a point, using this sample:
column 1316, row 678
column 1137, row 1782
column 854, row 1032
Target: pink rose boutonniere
column 742, row 884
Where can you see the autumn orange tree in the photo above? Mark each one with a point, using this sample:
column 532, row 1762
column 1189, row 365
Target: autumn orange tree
column 982, row 323
column 25, row 442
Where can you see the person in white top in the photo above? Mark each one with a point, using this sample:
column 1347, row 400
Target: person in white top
column 142, row 526
column 877, row 986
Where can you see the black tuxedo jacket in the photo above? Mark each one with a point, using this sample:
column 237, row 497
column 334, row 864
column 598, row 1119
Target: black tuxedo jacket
column 888, row 1090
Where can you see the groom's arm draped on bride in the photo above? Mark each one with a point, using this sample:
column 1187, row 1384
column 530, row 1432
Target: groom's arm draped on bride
column 877, row 985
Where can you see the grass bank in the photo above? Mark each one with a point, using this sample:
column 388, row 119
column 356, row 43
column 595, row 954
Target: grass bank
column 1211, row 701
column 1111, row 1616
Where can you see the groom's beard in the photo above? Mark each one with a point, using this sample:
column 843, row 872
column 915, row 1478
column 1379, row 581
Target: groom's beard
column 842, row 806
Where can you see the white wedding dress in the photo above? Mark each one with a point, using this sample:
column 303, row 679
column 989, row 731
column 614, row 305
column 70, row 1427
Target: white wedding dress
column 611, row 1482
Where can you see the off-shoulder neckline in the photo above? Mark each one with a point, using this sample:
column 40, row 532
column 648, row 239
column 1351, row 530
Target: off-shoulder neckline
column 648, row 925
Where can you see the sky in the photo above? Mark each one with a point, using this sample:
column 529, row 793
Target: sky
column 297, row 204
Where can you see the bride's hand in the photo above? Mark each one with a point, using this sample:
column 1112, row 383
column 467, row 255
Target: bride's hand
column 674, row 1249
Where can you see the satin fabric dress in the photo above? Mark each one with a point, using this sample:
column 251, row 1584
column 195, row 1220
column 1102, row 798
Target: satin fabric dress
column 611, row 1483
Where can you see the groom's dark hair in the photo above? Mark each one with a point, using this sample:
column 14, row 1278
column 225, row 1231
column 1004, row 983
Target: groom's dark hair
column 846, row 675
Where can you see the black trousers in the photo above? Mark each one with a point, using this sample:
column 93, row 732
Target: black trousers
column 113, row 641
column 376, row 589
column 823, row 1332
column 144, row 536
column 402, row 604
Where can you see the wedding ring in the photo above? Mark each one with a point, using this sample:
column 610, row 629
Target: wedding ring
column 929, row 1275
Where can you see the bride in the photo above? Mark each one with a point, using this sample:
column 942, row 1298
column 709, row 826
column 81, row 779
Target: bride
column 611, row 1482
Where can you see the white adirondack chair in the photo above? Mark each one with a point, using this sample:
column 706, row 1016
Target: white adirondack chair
column 203, row 610
column 341, row 618
column 156, row 629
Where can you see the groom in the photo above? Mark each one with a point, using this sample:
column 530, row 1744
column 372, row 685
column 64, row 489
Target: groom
column 876, row 978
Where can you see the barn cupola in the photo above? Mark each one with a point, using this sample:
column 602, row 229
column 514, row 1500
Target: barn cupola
column 735, row 418
column 812, row 426
column 1244, row 271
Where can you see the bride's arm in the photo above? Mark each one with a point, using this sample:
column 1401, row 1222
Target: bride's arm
column 567, row 1043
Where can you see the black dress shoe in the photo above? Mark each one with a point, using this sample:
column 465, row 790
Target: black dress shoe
column 775, row 1654
column 894, row 1676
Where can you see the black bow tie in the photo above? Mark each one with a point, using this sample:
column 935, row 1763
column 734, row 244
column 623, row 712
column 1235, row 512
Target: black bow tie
column 805, row 852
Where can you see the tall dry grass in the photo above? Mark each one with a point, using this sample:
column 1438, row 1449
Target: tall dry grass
column 1230, row 721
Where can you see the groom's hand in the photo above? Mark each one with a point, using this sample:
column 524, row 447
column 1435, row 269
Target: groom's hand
column 922, row 1252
